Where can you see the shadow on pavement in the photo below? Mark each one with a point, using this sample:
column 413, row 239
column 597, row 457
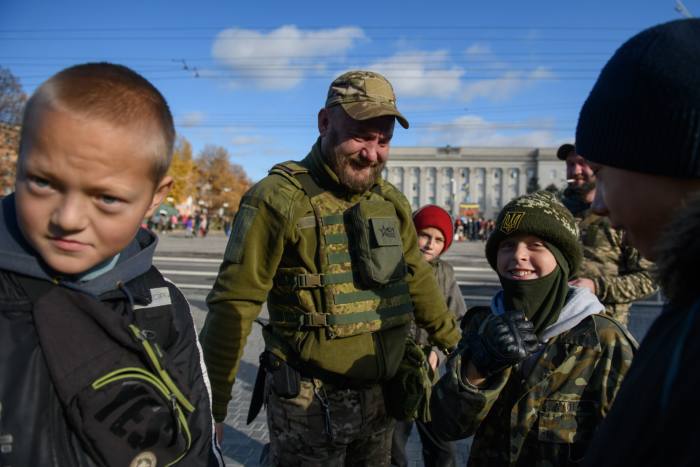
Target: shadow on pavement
column 247, row 373
column 241, row 448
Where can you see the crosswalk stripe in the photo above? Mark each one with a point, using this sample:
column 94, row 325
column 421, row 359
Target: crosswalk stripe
column 165, row 259
column 473, row 269
column 175, row 272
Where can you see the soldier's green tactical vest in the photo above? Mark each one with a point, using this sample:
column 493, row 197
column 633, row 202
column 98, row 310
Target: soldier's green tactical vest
column 360, row 258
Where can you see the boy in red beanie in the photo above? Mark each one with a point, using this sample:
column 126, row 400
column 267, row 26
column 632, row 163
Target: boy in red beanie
column 435, row 233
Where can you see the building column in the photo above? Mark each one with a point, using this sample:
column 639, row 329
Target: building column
column 439, row 179
column 423, row 177
column 488, row 199
column 457, row 187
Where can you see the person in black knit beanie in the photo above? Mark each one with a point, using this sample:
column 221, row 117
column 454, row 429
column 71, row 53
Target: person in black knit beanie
column 639, row 130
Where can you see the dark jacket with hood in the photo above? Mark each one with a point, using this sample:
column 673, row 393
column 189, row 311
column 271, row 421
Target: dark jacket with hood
column 34, row 428
column 654, row 421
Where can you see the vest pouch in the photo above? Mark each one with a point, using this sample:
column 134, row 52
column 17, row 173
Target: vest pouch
column 376, row 247
column 407, row 393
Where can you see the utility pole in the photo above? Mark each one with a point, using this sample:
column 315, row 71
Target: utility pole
column 680, row 8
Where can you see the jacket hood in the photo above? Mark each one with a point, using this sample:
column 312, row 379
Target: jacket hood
column 678, row 254
column 16, row 255
column 580, row 303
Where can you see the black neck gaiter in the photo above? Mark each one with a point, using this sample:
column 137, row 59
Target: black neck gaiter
column 541, row 300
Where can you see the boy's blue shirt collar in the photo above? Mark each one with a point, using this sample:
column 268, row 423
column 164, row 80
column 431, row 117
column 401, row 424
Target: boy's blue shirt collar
column 16, row 255
column 96, row 271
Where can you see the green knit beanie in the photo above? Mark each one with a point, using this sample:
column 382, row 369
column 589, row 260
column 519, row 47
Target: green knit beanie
column 542, row 215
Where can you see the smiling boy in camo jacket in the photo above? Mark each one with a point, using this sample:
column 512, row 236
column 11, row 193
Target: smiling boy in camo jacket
column 536, row 372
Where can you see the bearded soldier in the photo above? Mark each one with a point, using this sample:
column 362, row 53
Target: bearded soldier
column 331, row 247
column 611, row 269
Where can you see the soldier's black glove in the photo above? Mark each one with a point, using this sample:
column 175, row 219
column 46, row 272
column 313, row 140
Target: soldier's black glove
column 500, row 342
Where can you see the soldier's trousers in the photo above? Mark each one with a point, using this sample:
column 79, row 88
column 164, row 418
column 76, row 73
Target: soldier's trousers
column 327, row 426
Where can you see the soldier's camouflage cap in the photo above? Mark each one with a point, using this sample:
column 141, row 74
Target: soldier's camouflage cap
column 364, row 95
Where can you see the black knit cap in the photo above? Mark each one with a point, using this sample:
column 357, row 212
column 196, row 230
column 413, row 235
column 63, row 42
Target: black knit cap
column 643, row 114
column 540, row 214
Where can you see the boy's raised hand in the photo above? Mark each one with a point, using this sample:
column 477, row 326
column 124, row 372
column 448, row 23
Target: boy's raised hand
column 500, row 342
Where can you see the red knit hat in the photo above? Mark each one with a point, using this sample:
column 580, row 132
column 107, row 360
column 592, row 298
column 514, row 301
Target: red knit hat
column 434, row 216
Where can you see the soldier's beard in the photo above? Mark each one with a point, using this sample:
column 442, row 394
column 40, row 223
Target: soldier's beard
column 353, row 173
column 580, row 191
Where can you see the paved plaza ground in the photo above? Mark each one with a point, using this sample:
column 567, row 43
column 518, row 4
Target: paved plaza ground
column 243, row 443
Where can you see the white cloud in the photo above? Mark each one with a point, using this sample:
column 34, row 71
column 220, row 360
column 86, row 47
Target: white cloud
column 421, row 74
column 478, row 49
column 506, row 85
column 432, row 74
column 245, row 140
column 192, row 119
column 473, row 130
column 280, row 59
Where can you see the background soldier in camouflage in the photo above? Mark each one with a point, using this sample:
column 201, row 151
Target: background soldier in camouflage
column 537, row 371
column 611, row 268
column 331, row 247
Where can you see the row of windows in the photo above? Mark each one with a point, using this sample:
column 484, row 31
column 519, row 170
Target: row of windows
column 468, row 187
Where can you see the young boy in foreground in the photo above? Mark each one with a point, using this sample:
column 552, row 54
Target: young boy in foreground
column 99, row 363
column 537, row 371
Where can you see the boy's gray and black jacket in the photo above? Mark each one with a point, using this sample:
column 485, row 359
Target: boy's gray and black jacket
column 37, row 427
column 445, row 276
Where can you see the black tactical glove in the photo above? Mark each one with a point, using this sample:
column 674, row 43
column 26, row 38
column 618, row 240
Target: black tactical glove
column 500, row 342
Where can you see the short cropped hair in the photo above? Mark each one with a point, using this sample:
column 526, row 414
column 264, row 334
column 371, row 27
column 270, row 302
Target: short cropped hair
column 109, row 92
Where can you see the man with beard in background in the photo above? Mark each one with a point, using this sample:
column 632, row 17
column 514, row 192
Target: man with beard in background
column 331, row 247
column 611, row 269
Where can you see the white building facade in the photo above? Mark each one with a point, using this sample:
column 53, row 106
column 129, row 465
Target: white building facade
column 488, row 177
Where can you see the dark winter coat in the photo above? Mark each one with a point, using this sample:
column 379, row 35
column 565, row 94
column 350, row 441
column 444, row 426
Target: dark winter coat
column 654, row 421
column 34, row 429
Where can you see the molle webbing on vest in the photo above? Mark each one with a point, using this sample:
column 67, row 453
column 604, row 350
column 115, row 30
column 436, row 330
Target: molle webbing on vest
column 347, row 309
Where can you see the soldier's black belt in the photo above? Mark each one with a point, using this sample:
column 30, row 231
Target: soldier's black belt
column 286, row 376
column 302, row 320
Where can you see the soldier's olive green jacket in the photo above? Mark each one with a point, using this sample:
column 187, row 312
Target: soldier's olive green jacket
column 619, row 272
column 268, row 235
column 544, row 416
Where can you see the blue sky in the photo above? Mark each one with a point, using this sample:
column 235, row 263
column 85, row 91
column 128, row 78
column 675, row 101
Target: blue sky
column 250, row 76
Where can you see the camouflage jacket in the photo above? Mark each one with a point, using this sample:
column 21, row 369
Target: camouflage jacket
column 619, row 272
column 445, row 275
column 542, row 417
column 270, row 235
